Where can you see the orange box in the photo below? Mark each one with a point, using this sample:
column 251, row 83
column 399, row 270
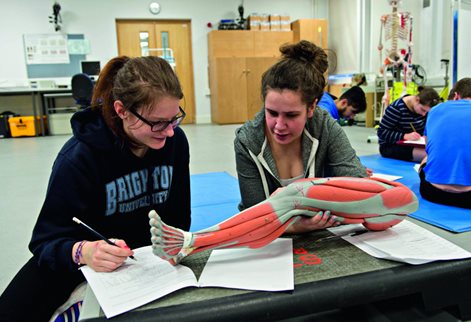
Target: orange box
column 264, row 22
column 24, row 125
column 285, row 23
column 254, row 22
column 274, row 22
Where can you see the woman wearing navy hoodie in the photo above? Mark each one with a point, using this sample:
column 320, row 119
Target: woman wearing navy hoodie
column 126, row 157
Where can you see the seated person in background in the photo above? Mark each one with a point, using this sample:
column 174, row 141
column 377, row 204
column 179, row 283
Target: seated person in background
column 350, row 103
column 445, row 176
column 290, row 138
column 404, row 119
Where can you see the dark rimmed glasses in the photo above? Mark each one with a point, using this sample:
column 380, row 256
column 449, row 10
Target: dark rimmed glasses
column 162, row 125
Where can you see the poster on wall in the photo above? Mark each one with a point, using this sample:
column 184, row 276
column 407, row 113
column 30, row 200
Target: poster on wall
column 46, row 49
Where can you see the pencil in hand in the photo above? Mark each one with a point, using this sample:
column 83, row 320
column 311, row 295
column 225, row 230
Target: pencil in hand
column 413, row 128
column 97, row 234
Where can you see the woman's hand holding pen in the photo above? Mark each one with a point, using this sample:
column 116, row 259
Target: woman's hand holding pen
column 103, row 257
column 413, row 136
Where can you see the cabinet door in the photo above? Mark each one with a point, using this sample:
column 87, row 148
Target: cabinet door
column 314, row 30
column 230, row 43
column 255, row 67
column 228, row 83
column 267, row 44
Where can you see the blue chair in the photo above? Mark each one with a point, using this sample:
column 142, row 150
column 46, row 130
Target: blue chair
column 82, row 89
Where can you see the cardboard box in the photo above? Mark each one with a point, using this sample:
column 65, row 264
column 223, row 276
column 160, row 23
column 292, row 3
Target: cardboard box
column 274, row 22
column 254, row 22
column 285, row 22
column 25, row 125
column 264, row 22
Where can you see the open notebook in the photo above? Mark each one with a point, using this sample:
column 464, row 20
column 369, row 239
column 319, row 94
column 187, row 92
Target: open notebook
column 136, row 283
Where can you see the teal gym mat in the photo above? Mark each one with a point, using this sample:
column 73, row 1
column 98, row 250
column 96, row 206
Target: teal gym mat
column 214, row 198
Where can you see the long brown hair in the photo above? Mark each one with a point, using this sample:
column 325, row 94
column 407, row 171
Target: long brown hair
column 301, row 68
column 137, row 83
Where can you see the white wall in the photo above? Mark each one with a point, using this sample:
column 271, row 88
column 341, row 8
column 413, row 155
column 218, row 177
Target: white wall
column 346, row 37
column 343, row 34
column 354, row 27
column 96, row 20
column 355, row 32
column 464, row 45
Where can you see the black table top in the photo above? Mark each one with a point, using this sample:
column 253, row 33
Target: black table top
column 328, row 275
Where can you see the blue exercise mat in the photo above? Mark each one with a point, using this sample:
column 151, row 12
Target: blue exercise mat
column 450, row 218
column 214, row 198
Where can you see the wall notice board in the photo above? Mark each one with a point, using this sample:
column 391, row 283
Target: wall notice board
column 56, row 60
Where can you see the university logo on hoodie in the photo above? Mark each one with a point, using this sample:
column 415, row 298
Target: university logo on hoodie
column 138, row 189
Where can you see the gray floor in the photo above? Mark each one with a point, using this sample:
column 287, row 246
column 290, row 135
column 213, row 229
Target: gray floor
column 25, row 165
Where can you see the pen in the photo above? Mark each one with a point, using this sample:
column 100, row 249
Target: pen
column 334, row 237
column 413, row 128
column 78, row 221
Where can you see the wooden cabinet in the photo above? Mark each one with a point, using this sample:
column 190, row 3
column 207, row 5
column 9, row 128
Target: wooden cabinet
column 256, row 66
column 228, row 86
column 246, row 43
column 237, row 60
column 314, row 30
column 235, row 87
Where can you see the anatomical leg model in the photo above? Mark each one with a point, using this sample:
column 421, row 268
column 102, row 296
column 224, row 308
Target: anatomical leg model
column 377, row 204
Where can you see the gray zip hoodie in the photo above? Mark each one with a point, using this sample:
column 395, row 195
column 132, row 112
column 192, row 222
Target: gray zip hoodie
column 325, row 148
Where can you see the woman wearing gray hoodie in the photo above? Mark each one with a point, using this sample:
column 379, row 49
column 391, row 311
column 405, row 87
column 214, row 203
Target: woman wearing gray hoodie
column 290, row 138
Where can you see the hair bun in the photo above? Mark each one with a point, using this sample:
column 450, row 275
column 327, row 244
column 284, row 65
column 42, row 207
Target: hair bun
column 308, row 53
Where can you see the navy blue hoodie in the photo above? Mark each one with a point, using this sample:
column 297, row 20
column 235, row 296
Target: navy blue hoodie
column 97, row 179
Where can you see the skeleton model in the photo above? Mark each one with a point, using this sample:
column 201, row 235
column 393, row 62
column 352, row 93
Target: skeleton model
column 396, row 26
column 377, row 204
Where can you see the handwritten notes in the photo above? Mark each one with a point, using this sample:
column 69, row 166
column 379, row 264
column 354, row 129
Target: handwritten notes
column 137, row 282
column 150, row 277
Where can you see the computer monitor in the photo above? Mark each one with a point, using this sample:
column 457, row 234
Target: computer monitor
column 91, row 68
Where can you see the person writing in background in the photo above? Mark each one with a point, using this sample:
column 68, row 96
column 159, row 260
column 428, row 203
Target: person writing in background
column 290, row 138
column 350, row 103
column 445, row 177
column 126, row 157
column 404, row 119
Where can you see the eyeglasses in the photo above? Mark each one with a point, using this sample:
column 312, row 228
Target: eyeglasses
column 162, row 125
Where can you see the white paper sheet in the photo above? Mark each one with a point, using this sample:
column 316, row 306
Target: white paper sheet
column 417, row 167
column 420, row 141
column 139, row 282
column 269, row 268
column 405, row 242
column 389, row 177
